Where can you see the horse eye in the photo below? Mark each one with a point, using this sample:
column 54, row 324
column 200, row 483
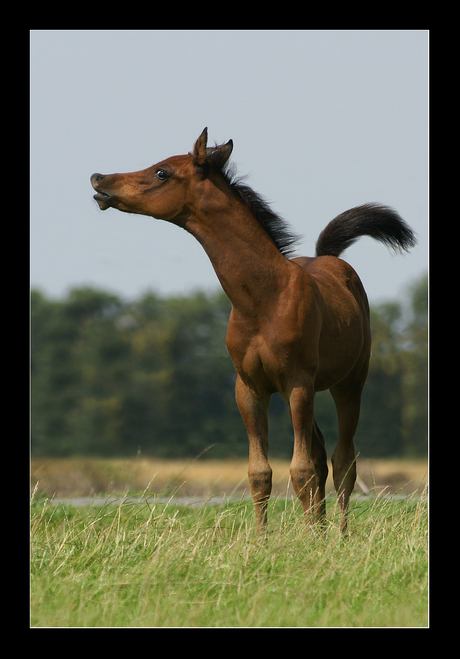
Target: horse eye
column 161, row 174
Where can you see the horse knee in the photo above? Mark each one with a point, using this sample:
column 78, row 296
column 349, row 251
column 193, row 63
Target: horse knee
column 260, row 481
column 303, row 478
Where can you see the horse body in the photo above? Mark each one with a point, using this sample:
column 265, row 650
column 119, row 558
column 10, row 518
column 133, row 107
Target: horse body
column 297, row 325
column 315, row 336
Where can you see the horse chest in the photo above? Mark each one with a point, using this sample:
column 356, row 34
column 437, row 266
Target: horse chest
column 260, row 361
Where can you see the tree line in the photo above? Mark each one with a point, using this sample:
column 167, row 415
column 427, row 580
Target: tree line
column 111, row 377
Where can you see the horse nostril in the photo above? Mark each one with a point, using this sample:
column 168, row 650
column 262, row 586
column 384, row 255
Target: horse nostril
column 97, row 178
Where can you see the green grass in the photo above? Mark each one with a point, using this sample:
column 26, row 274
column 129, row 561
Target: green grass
column 158, row 565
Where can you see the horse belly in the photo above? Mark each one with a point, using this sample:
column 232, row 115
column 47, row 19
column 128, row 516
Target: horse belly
column 340, row 353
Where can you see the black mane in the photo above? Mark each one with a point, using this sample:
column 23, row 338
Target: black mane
column 275, row 226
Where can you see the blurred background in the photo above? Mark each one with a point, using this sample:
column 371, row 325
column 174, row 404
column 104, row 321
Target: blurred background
column 128, row 322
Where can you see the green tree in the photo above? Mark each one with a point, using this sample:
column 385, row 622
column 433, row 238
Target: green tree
column 54, row 374
column 394, row 416
column 58, row 387
column 202, row 402
column 380, row 426
column 415, row 364
column 110, row 377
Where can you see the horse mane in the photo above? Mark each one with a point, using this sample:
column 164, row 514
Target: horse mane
column 274, row 225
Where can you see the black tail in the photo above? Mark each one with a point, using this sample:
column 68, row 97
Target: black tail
column 379, row 222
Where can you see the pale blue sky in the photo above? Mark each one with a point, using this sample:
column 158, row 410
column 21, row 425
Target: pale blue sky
column 321, row 120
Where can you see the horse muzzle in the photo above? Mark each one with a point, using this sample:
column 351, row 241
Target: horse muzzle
column 103, row 198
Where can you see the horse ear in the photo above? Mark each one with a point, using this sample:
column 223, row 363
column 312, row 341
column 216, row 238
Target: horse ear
column 219, row 156
column 199, row 150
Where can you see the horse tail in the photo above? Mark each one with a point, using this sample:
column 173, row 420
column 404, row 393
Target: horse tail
column 378, row 222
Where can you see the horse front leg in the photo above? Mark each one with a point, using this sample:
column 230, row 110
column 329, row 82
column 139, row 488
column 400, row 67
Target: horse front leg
column 254, row 410
column 309, row 463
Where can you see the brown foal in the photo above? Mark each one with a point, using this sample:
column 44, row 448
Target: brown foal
column 297, row 326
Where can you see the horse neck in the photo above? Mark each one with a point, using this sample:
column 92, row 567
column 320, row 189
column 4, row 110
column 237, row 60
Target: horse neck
column 249, row 266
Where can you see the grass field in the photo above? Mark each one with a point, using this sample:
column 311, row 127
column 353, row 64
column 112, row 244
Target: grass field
column 152, row 564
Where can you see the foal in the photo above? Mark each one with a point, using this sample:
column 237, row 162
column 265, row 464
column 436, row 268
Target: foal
column 297, row 326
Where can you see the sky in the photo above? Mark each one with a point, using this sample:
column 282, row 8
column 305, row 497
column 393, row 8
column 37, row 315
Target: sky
column 321, row 121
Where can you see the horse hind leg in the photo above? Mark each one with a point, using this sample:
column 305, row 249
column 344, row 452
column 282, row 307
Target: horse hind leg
column 321, row 470
column 347, row 401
